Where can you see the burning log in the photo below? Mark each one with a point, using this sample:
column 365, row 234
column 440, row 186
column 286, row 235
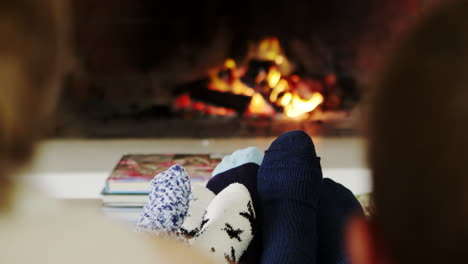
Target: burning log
column 263, row 87
column 227, row 100
column 198, row 90
column 254, row 68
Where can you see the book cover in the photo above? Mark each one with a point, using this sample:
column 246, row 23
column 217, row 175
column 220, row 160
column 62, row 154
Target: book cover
column 134, row 172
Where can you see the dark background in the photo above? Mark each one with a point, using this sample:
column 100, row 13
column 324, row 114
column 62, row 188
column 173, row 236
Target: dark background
column 129, row 55
column 152, row 45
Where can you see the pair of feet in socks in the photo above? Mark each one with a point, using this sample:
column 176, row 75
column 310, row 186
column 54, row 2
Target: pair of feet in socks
column 297, row 217
column 300, row 216
column 221, row 225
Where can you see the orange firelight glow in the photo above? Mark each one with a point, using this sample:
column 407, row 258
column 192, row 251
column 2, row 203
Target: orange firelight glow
column 274, row 85
column 299, row 106
column 230, row 64
column 273, row 77
column 286, row 99
column 258, row 106
column 280, row 87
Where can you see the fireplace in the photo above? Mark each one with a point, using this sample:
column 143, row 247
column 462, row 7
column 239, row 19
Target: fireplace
column 162, row 69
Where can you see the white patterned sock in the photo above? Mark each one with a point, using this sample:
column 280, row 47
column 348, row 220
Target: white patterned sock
column 201, row 198
column 227, row 227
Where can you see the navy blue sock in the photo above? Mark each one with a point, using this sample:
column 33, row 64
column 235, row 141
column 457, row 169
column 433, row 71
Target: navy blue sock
column 245, row 174
column 288, row 182
column 336, row 205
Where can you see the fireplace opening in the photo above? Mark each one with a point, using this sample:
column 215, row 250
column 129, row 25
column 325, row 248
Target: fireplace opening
column 162, row 69
column 265, row 84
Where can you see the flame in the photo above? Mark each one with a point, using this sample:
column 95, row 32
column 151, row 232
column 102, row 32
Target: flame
column 239, row 87
column 286, row 99
column 218, row 85
column 258, row 105
column 230, row 63
column 235, row 87
column 279, row 59
column 275, row 83
column 269, row 49
column 298, row 106
column 280, row 87
column 273, row 77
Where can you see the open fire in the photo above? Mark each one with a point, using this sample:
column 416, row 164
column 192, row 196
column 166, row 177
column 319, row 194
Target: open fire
column 134, row 65
column 266, row 84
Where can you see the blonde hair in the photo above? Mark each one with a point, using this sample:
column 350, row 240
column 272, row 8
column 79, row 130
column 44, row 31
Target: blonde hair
column 28, row 68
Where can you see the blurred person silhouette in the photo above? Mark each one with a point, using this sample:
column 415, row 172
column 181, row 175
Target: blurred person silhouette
column 418, row 127
column 35, row 228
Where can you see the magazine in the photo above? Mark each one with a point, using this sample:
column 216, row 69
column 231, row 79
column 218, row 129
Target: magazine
column 134, row 172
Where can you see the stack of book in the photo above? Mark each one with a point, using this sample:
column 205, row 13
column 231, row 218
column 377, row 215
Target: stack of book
column 128, row 186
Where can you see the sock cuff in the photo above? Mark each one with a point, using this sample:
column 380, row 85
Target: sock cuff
column 238, row 158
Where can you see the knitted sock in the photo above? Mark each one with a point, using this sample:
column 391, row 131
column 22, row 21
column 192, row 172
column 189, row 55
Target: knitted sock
column 336, row 205
column 201, row 198
column 289, row 182
column 168, row 202
column 227, row 227
column 241, row 167
column 239, row 157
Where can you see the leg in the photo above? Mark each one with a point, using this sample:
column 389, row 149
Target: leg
column 289, row 182
column 336, row 205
